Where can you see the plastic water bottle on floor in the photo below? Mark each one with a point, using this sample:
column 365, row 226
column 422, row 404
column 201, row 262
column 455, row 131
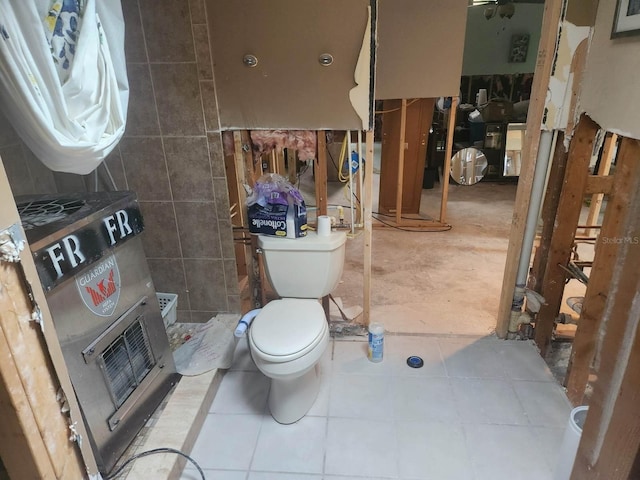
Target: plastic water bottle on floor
column 376, row 342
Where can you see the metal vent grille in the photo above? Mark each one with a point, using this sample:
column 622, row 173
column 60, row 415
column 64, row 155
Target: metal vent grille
column 127, row 361
column 42, row 212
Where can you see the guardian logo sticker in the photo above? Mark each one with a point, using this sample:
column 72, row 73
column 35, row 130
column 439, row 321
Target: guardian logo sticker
column 100, row 287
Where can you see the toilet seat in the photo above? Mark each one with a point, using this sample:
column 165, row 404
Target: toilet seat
column 279, row 334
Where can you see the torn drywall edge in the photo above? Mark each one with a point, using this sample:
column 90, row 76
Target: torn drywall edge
column 560, row 90
column 359, row 95
column 11, row 244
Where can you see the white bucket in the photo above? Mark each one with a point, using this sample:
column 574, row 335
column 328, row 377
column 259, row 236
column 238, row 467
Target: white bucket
column 570, row 442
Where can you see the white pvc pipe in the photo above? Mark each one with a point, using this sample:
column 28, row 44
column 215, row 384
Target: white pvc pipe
column 547, row 140
column 245, row 321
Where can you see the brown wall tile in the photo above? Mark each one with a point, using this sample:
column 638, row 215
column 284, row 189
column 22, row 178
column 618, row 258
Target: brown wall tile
column 221, row 193
column 134, row 47
column 202, row 317
column 142, row 115
column 8, row 135
column 17, row 170
column 145, row 167
column 69, row 182
column 205, row 281
column 216, row 157
column 189, row 170
column 178, row 98
column 231, row 277
column 198, row 14
column 114, row 163
column 198, row 228
column 226, row 238
column 235, row 304
column 210, row 106
column 42, row 177
column 203, row 57
column 183, row 316
column 168, row 277
column 160, row 237
column 167, row 28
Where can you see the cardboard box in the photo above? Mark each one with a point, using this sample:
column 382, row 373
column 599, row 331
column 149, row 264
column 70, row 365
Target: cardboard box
column 271, row 219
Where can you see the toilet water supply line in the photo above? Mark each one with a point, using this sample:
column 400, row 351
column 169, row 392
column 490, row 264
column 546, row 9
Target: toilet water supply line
column 545, row 149
column 245, row 321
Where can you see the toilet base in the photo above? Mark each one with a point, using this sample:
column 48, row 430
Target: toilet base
column 291, row 399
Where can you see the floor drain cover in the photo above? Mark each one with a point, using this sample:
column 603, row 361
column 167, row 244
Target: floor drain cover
column 415, row 362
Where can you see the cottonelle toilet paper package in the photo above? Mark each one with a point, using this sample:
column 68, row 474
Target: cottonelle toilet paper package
column 276, row 208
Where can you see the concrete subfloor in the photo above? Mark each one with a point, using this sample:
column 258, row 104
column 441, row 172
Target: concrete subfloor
column 433, row 282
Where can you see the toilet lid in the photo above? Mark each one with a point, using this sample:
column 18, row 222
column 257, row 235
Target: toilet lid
column 285, row 327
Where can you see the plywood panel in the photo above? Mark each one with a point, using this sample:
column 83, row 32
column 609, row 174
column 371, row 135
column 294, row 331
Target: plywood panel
column 420, row 48
column 288, row 88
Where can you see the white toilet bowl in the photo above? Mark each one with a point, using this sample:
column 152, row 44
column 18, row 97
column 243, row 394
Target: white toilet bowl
column 288, row 350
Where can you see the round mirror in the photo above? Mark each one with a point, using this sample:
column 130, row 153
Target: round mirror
column 468, row 166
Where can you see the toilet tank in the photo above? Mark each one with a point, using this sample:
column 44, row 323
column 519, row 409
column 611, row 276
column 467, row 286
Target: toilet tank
column 306, row 267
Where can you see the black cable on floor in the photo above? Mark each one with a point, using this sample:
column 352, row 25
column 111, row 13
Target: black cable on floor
column 151, row 452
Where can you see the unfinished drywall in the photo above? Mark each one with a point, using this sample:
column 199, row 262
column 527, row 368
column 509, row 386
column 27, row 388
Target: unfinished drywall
column 566, row 76
column 288, row 88
column 419, row 48
column 488, row 42
column 610, row 93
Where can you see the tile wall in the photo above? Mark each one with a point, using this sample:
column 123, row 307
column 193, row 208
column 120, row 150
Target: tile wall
column 171, row 156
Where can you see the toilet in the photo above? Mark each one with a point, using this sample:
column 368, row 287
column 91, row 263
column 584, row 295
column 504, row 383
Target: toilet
column 289, row 336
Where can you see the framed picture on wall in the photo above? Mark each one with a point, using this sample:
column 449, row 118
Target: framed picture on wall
column 519, row 47
column 627, row 19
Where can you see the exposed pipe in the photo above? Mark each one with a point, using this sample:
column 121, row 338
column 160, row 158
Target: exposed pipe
column 545, row 148
column 245, row 321
column 361, row 175
column 350, row 179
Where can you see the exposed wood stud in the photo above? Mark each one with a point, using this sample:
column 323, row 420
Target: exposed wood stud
column 320, row 179
column 368, row 230
column 571, row 200
column 608, row 153
column 447, row 159
column 544, row 63
column 610, row 442
column 606, row 252
column 401, row 148
column 548, row 214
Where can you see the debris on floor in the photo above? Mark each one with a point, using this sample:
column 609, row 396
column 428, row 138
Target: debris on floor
column 200, row 347
column 343, row 321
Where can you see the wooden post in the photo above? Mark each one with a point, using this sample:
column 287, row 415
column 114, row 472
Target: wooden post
column 320, row 179
column 447, row 159
column 292, row 160
column 570, row 204
column 548, row 214
column 606, row 252
column 544, row 63
column 368, row 227
column 605, row 166
column 610, row 443
column 35, row 433
column 401, row 148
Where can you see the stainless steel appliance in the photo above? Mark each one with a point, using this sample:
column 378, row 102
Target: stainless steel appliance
column 88, row 252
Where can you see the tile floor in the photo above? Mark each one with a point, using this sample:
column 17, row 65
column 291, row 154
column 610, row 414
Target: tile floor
column 479, row 409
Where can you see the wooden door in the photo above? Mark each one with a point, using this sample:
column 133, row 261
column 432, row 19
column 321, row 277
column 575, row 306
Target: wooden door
column 418, row 123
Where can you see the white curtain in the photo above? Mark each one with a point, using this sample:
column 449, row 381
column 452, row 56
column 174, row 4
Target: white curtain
column 71, row 118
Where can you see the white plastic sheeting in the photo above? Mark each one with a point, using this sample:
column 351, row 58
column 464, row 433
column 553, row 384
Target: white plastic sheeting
column 71, row 121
